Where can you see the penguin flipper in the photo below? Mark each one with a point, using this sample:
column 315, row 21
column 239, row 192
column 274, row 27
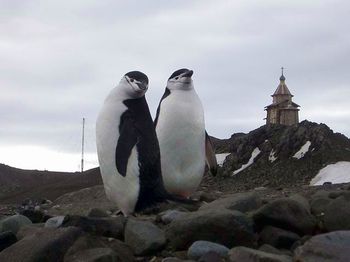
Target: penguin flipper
column 210, row 155
column 166, row 93
column 127, row 140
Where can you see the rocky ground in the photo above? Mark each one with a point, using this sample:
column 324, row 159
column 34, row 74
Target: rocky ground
column 263, row 224
column 264, row 213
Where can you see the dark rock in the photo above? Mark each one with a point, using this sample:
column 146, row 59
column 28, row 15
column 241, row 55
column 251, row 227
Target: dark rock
column 143, row 237
column 320, row 193
column 287, row 214
column 208, row 197
column 240, row 254
column 48, row 244
column 301, row 200
column 27, row 231
column 243, row 202
column 36, row 216
column 168, row 216
column 204, row 196
column 200, row 248
column 277, row 237
column 211, row 257
column 108, row 227
column 88, row 242
column 175, row 259
column 55, row 222
column 319, row 205
column 81, row 201
column 337, row 215
column 94, row 255
column 270, row 249
column 300, row 242
column 96, row 212
column 338, row 193
column 332, row 246
column 14, row 223
column 226, row 227
column 7, row 238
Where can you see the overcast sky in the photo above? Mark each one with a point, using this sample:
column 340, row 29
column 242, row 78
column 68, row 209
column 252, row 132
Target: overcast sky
column 59, row 59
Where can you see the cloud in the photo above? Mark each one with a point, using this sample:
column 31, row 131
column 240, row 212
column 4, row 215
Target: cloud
column 58, row 61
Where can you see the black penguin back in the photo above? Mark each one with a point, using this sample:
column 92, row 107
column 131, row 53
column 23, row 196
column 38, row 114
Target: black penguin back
column 152, row 189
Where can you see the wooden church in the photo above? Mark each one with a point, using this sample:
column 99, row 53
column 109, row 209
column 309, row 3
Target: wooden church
column 282, row 110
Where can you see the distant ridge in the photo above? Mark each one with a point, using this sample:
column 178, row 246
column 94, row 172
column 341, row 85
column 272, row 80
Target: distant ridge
column 18, row 184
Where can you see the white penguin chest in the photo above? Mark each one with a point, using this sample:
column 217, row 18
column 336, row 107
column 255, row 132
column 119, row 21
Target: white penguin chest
column 181, row 135
column 121, row 190
column 181, row 116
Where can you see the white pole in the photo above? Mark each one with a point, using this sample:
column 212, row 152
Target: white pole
column 82, row 147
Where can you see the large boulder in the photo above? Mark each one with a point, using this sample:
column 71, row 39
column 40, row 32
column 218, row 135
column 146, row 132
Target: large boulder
column 243, row 202
column 226, row 227
column 14, row 223
column 97, row 212
column 27, row 231
column 211, row 257
column 101, row 254
column 278, row 237
column 287, row 214
column 319, row 205
column 48, row 244
column 7, row 238
column 81, row 202
column 36, row 216
column 302, row 200
column 108, row 227
column 240, row 254
column 99, row 247
column 168, row 216
column 200, row 248
column 270, row 249
column 337, row 215
column 332, row 246
column 143, row 237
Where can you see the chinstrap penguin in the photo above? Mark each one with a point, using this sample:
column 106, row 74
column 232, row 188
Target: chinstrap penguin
column 128, row 149
column 185, row 146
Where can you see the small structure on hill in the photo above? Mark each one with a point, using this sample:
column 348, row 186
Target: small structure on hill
column 282, row 110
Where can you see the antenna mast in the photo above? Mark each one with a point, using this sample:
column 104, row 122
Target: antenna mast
column 82, row 147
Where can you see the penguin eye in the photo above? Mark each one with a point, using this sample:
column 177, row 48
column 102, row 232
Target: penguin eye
column 176, row 78
column 131, row 80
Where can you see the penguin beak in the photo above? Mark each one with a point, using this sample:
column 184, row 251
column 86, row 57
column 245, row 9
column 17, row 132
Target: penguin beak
column 142, row 86
column 189, row 73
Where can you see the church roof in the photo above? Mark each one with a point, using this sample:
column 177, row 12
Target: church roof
column 282, row 88
column 286, row 104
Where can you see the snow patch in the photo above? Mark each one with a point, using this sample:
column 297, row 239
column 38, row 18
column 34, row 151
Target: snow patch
column 335, row 173
column 303, row 150
column 255, row 153
column 272, row 156
column 220, row 158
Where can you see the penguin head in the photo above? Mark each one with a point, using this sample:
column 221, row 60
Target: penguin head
column 181, row 80
column 135, row 84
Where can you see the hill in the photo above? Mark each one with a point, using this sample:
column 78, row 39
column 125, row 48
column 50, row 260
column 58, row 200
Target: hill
column 19, row 184
column 280, row 156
